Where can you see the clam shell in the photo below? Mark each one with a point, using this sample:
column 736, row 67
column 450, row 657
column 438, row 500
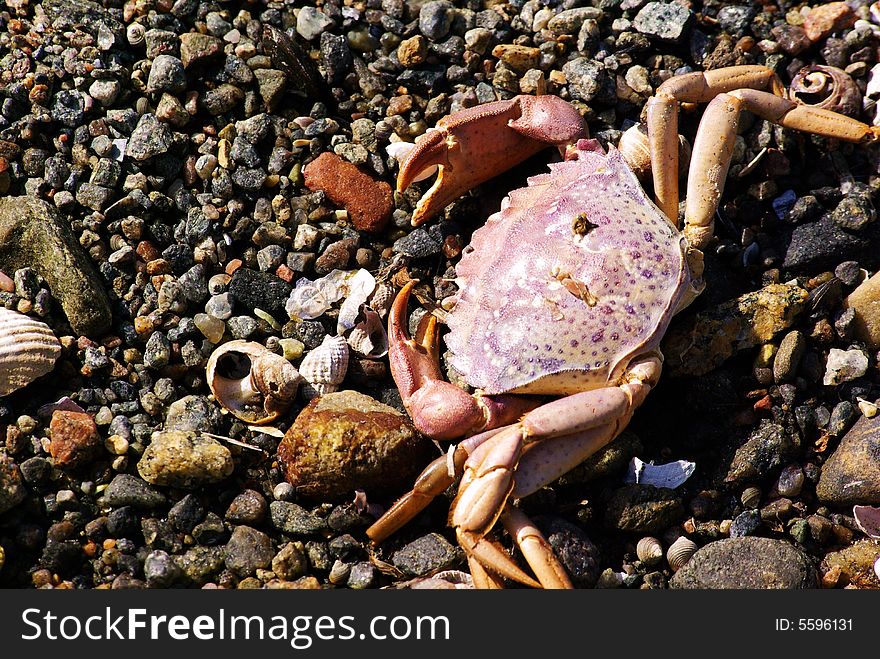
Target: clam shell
column 324, row 367
column 649, row 550
column 633, row 146
column 680, row 552
column 751, row 497
column 28, row 350
column 251, row 381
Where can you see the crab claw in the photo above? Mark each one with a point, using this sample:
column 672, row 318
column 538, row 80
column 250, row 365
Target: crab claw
column 439, row 409
column 476, row 144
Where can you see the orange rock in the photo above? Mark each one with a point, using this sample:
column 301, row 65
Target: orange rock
column 369, row 202
column 825, row 19
column 75, row 438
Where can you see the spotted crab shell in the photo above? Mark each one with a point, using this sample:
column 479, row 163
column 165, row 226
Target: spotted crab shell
column 28, row 350
column 324, row 367
column 251, row 381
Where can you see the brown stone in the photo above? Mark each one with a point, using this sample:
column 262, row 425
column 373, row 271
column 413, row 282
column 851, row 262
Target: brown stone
column 369, row 202
column 75, row 438
column 865, row 302
column 346, row 441
column 852, row 474
column 825, row 19
column 412, row 52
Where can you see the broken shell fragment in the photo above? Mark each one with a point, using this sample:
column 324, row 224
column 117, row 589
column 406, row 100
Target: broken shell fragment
column 28, row 350
column 826, row 87
column 252, row 382
column 680, row 552
column 324, row 367
column 368, row 337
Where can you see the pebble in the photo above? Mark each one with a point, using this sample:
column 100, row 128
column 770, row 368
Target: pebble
column 369, row 202
column 643, row 509
column 413, row 51
column 420, row 243
column 664, row 21
column 426, row 555
column 248, row 550
column 576, row 552
column 249, row 507
column 291, row 561
column 826, row 18
column 435, row 19
column 363, row 444
column 864, row 301
column 569, row 21
column 788, row 357
column 252, row 288
column 128, row 490
column 844, row 365
column 294, row 519
column 822, row 244
column 198, row 49
column 748, row 562
column 32, row 234
column 855, row 564
column 75, row 439
column 186, row 513
column 768, row 447
column 184, row 460
column 160, row 569
column 12, row 489
column 166, row 75
column 201, row 564
column 310, row 23
column 150, row 138
column 851, row 474
column 588, row 81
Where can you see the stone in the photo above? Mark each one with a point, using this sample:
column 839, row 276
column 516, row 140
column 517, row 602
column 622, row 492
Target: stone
column 856, row 564
column 588, row 81
column 248, row 550
column 820, row 245
column 413, row 51
column 12, row 489
column 747, row 562
column 788, row 357
column 310, row 23
column 864, row 301
column 700, row 345
column 150, row 138
column 518, row 58
column 640, row 508
column 193, row 414
column 272, row 84
column 823, row 19
column 185, row 460
column 666, row 21
column 345, row 441
column 426, row 555
column 767, row 448
column 294, row 519
column 166, row 75
column 252, row 288
column 369, row 202
column 435, row 19
column 249, row 507
column 74, row 439
column 33, row 234
column 128, row 490
column 844, row 365
column 291, row 562
column 851, row 475
column 570, row 21
column 197, row 49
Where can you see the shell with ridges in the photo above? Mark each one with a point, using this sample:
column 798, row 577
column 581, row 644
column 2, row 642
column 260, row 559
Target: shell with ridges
column 649, row 550
column 324, row 367
column 251, row 381
column 368, row 337
column 751, row 497
column 680, row 552
column 28, row 350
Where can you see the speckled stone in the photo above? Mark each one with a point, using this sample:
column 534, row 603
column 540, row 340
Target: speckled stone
column 184, row 460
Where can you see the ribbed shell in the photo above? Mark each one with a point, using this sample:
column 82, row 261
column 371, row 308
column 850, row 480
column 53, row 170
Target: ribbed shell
column 28, row 350
column 649, row 550
column 751, row 497
column 680, row 552
column 324, row 367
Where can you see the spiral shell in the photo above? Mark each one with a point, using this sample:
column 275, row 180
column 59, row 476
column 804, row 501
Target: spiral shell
column 324, row 367
column 649, row 550
column 135, row 33
column 826, row 87
column 680, row 552
column 633, row 146
column 751, row 497
column 251, row 381
column 28, row 350
column 381, row 299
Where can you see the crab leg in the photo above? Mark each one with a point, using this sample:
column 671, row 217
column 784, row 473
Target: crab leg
column 476, row 144
column 713, row 146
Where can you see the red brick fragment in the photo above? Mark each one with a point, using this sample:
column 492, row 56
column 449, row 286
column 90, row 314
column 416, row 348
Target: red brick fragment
column 369, row 202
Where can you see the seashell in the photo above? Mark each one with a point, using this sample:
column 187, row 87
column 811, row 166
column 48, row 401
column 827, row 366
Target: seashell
column 633, row 146
column 28, row 350
column 252, row 382
column 680, row 552
column 358, row 288
column 649, row 550
column 381, row 299
column 751, row 497
column 826, row 87
column 368, row 337
column 324, row 367
column 135, row 33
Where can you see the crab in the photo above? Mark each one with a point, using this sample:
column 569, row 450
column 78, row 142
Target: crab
column 566, row 291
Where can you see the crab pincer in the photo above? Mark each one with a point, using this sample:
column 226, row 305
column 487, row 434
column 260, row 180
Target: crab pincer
column 479, row 143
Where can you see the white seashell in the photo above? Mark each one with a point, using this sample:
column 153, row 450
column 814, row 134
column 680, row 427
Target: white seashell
column 649, row 550
column 751, row 497
column 381, row 299
column 28, row 350
column 680, row 552
column 369, row 338
column 251, row 381
column 324, row 367
column 359, row 287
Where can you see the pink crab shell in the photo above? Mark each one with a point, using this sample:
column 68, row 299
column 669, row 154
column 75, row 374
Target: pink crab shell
column 516, row 327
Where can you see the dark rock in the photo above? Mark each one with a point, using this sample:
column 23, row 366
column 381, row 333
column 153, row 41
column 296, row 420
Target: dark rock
column 128, row 490
column 251, row 288
column 643, row 509
column 427, row 554
column 751, row 562
column 248, row 550
column 12, row 490
column 186, row 513
column 293, row 519
column 575, row 550
column 769, row 447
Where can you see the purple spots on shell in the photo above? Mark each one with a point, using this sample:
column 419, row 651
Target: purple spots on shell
column 598, row 336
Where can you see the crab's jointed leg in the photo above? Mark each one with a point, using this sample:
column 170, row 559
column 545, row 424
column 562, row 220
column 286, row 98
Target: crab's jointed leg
column 728, row 91
column 478, row 143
